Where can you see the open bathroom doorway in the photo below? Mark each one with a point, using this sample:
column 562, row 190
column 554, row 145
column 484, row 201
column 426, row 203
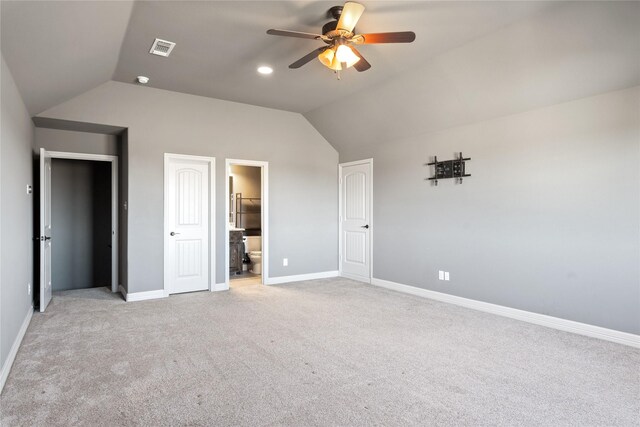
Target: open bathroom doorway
column 247, row 234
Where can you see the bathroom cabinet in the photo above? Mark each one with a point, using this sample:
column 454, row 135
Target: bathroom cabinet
column 236, row 252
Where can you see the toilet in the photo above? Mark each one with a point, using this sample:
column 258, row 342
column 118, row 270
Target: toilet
column 253, row 247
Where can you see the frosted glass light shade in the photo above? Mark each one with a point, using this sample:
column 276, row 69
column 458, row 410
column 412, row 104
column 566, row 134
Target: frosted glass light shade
column 345, row 54
column 334, row 58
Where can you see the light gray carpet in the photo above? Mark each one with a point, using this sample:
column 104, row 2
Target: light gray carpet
column 323, row 352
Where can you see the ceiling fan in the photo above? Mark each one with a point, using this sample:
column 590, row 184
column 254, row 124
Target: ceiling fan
column 340, row 37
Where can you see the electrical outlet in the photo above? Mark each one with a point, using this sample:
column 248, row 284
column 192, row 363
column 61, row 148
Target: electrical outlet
column 285, row 262
column 446, row 275
column 440, row 275
column 29, row 189
column 28, row 288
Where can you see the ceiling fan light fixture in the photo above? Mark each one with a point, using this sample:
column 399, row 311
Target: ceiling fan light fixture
column 265, row 69
column 344, row 54
column 327, row 58
column 334, row 58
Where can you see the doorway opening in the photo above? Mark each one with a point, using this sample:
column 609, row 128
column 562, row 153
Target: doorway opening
column 246, row 238
column 78, row 212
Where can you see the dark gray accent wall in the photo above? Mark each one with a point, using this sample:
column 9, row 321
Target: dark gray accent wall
column 75, row 142
column 549, row 222
column 302, row 168
column 16, row 256
column 81, row 224
column 91, row 138
column 101, row 211
column 123, row 217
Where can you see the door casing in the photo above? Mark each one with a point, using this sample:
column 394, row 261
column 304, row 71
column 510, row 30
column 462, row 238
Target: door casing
column 211, row 162
column 264, row 218
column 114, row 205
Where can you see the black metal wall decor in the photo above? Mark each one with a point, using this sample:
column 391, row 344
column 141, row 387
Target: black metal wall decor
column 449, row 169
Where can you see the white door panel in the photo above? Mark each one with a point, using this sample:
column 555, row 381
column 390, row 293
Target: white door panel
column 45, row 229
column 355, row 219
column 187, row 242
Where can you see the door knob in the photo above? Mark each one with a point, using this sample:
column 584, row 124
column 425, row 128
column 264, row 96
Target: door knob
column 173, row 233
column 364, row 226
column 47, row 238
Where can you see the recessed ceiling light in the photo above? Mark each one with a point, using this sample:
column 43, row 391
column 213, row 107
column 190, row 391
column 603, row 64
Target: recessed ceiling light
column 143, row 79
column 265, row 69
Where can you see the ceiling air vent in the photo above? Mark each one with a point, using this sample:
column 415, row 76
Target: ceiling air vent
column 162, row 47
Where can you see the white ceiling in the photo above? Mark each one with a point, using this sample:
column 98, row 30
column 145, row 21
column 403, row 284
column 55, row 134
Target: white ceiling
column 58, row 49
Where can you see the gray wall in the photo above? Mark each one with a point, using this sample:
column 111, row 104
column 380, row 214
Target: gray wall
column 81, row 224
column 302, row 167
column 16, row 256
column 75, row 142
column 549, row 222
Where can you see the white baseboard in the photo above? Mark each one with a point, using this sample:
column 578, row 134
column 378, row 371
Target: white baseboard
column 300, row 277
column 357, row 278
column 513, row 313
column 219, row 287
column 142, row 296
column 4, row 374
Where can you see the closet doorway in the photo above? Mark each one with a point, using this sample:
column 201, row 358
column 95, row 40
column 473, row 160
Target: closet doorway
column 78, row 222
column 247, row 234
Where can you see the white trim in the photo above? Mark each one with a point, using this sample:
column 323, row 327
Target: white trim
column 513, row 313
column 340, row 167
column 302, row 277
column 143, row 296
column 114, row 202
column 11, row 357
column 82, row 156
column 211, row 162
column 353, row 277
column 264, row 217
column 220, row 287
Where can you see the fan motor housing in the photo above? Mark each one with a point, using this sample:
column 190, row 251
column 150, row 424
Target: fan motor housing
column 329, row 30
column 329, row 26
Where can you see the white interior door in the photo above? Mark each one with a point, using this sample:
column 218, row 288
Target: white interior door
column 355, row 221
column 187, row 233
column 45, row 229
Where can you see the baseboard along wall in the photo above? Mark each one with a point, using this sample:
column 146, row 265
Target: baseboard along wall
column 612, row 335
column 301, row 277
column 142, row 296
column 11, row 357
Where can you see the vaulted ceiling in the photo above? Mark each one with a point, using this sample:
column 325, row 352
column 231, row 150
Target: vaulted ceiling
column 470, row 61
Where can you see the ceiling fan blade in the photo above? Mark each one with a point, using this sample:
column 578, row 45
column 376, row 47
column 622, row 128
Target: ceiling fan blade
column 363, row 64
column 397, row 37
column 308, row 57
column 351, row 12
column 298, row 34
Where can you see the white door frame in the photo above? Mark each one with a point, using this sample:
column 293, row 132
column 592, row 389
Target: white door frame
column 211, row 162
column 340, row 171
column 264, row 217
column 114, row 202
